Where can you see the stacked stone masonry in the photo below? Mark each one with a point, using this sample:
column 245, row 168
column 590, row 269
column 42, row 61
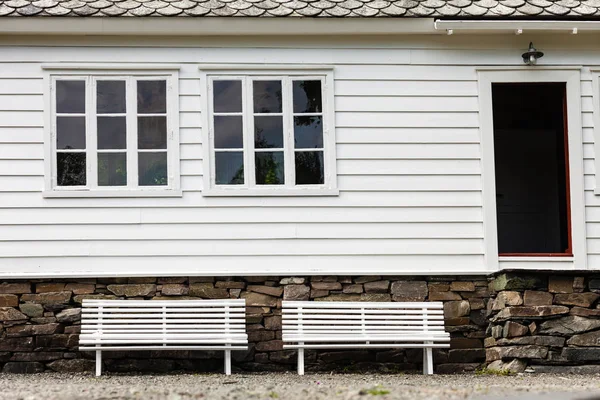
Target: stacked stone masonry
column 544, row 322
column 512, row 320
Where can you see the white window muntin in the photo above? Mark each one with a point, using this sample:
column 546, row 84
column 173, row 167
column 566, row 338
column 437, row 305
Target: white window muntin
column 249, row 187
column 131, row 115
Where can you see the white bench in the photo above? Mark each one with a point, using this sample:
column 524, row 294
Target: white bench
column 163, row 325
column 343, row 325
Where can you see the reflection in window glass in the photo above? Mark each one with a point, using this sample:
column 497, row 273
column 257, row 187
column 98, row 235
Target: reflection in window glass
column 229, row 132
column 269, row 168
column 70, row 169
column 152, row 169
column 309, row 168
column 112, row 169
column 227, row 96
column 308, row 132
column 229, row 168
column 307, row 97
column 152, row 97
column 70, row 97
column 112, row 133
column 152, row 133
column 70, row 133
column 110, row 97
column 267, row 96
column 268, row 132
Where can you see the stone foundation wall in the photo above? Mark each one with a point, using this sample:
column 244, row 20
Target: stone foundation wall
column 544, row 322
column 39, row 322
column 511, row 321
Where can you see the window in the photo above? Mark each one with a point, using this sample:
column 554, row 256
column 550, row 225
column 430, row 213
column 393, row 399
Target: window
column 111, row 134
column 269, row 135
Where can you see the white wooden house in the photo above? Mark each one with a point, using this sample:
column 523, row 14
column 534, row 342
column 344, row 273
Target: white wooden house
column 242, row 138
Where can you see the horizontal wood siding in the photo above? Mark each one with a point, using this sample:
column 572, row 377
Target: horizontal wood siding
column 408, row 161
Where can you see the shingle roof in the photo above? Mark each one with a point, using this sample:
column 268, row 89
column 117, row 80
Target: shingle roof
column 305, row 8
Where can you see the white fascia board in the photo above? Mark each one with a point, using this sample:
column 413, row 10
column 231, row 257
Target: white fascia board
column 213, row 26
column 518, row 27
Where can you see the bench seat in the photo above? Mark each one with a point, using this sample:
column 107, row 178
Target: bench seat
column 351, row 325
column 163, row 325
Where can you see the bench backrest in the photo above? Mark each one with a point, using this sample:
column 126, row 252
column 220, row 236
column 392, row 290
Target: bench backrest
column 367, row 318
column 209, row 318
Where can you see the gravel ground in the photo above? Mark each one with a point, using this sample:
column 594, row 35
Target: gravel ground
column 52, row 386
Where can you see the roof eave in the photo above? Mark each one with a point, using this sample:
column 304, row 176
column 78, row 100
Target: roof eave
column 214, row 26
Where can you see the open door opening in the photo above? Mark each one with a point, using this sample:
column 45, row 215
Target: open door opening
column 532, row 173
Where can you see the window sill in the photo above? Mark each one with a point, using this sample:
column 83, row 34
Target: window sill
column 537, row 263
column 559, row 258
column 269, row 193
column 62, row 194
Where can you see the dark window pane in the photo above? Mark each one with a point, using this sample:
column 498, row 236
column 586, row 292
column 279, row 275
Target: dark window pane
column 112, row 133
column 269, row 168
column 229, row 132
column 152, row 97
column 267, row 96
column 70, row 169
column 70, row 97
column 152, row 132
column 152, row 169
column 268, row 132
column 110, row 97
column 309, row 168
column 307, row 97
column 229, row 168
column 70, row 133
column 227, row 96
column 308, row 132
column 112, row 169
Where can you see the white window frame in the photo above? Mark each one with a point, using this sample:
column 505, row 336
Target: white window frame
column 286, row 74
column 91, row 75
column 571, row 76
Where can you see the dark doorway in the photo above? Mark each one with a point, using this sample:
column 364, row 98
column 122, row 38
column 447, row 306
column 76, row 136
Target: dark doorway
column 532, row 173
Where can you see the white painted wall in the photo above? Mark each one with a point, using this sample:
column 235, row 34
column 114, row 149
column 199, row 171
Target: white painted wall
column 408, row 160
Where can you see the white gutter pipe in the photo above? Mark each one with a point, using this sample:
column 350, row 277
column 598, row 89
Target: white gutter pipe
column 517, row 27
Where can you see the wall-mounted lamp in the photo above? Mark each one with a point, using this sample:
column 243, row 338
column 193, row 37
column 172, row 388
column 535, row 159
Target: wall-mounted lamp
column 531, row 56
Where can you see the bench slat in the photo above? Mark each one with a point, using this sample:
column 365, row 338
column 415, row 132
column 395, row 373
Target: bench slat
column 366, row 311
column 363, row 345
column 152, row 310
column 366, row 323
column 345, row 304
column 160, row 330
column 174, row 302
column 167, row 347
column 164, row 315
column 359, row 317
column 171, row 321
column 156, row 341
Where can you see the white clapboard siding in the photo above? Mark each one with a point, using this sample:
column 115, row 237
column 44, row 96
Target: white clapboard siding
column 236, row 215
column 408, row 161
column 405, row 104
column 410, row 88
column 356, row 199
column 21, row 102
column 19, row 86
column 249, row 231
column 407, row 135
column 247, row 247
column 15, row 135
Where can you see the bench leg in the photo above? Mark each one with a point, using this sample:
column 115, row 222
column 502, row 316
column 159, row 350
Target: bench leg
column 300, row 361
column 428, row 361
column 98, row 362
column 227, row 362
